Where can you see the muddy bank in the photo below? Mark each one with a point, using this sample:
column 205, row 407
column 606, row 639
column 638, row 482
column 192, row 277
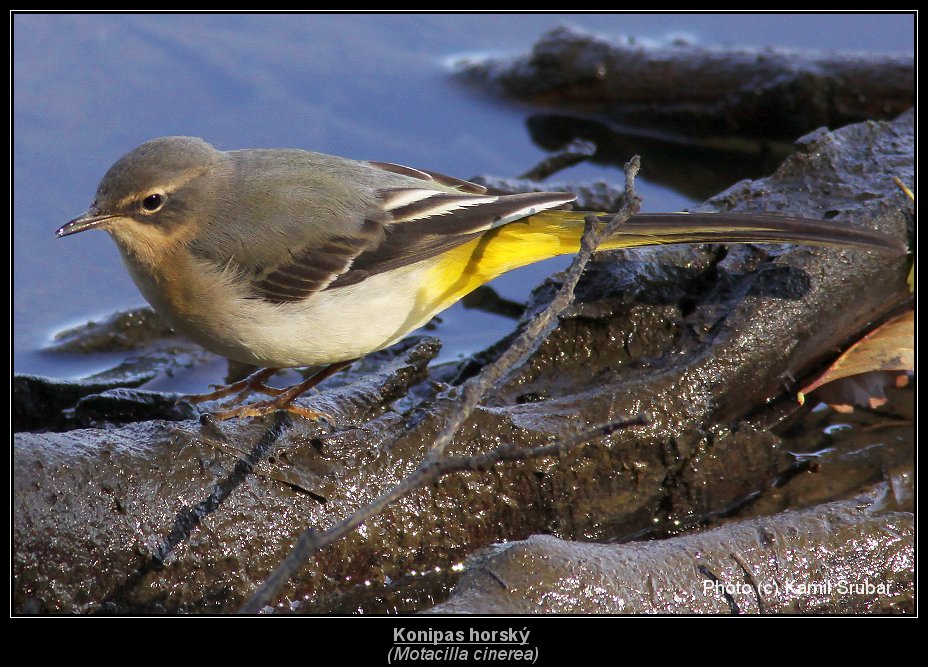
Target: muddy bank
column 846, row 557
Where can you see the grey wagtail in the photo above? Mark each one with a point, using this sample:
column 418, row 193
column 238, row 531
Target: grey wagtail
column 283, row 258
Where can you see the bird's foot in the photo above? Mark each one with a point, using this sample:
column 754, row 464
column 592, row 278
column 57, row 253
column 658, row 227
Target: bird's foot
column 243, row 389
column 261, row 408
column 282, row 398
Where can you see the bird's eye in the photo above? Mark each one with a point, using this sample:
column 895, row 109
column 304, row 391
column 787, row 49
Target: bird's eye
column 152, row 202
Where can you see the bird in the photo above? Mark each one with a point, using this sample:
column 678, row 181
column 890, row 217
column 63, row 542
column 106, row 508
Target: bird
column 283, row 258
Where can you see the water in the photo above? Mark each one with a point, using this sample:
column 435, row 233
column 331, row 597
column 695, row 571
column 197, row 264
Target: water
column 89, row 87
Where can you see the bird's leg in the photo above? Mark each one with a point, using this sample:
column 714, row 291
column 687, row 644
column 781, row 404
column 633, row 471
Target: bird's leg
column 284, row 399
column 254, row 382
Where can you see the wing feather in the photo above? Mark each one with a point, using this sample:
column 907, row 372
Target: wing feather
column 419, row 224
column 433, row 176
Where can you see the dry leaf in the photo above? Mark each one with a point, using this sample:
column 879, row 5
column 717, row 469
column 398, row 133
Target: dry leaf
column 889, row 347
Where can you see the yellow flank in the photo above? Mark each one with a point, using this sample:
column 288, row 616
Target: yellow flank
column 520, row 243
column 548, row 234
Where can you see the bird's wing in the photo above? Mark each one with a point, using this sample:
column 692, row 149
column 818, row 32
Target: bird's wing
column 407, row 224
column 422, row 226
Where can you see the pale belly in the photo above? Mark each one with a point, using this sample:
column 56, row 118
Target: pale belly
column 333, row 325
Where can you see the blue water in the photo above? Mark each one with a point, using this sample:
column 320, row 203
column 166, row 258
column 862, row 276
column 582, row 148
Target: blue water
column 87, row 88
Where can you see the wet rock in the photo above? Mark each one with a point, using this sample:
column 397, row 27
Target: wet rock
column 702, row 117
column 838, row 558
column 40, row 404
column 693, row 91
column 129, row 330
column 114, row 515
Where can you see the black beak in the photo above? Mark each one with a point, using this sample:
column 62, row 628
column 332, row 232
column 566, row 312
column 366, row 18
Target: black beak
column 88, row 220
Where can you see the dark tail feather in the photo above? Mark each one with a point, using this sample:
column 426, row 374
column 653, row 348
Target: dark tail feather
column 669, row 228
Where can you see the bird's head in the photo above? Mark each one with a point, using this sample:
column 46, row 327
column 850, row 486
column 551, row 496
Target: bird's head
column 154, row 197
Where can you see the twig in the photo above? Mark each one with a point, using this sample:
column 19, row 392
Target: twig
column 434, row 464
column 573, row 153
column 428, row 472
column 473, row 391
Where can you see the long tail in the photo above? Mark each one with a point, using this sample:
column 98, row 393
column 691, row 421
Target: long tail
column 667, row 228
column 549, row 233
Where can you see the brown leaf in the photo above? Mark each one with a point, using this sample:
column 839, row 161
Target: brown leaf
column 889, row 347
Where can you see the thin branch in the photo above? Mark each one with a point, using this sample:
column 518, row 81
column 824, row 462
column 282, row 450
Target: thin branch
column 434, row 465
column 473, row 391
column 428, row 472
column 575, row 152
